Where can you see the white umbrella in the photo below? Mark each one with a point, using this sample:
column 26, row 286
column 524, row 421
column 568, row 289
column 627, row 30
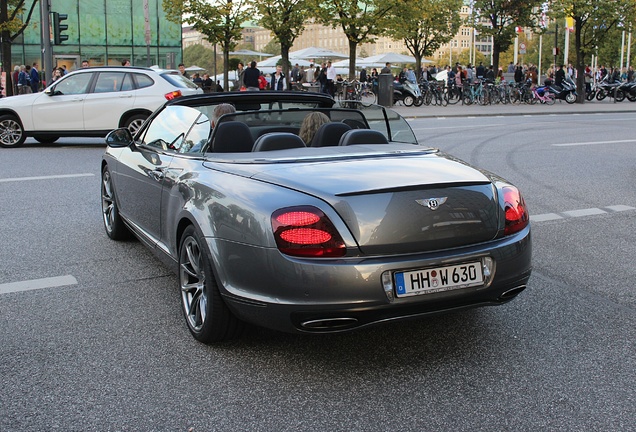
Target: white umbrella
column 316, row 52
column 194, row 68
column 390, row 58
column 273, row 60
column 246, row 52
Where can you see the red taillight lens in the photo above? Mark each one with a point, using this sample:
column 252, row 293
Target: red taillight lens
column 173, row 94
column 517, row 217
column 306, row 232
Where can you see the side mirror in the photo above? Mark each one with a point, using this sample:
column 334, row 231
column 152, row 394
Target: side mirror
column 119, row 138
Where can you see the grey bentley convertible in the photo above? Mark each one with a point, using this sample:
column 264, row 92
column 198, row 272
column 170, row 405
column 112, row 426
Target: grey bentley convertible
column 360, row 225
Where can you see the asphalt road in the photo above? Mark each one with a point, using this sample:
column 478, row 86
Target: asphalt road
column 102, row 344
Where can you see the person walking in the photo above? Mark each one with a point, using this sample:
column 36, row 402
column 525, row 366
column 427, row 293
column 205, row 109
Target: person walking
column 24, row 81
column 250, row 77
column 34, row 75
column 279, row 83
column 331, row 79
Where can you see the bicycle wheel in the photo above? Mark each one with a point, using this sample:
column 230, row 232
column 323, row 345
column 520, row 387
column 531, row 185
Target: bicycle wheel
column 549, row 98
column 453, row 96
column 515, row 97
column 442, row 99
column 428, row 98
column 467, row 99
column 368, row 97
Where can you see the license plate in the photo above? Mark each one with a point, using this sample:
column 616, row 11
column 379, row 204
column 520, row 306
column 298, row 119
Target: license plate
column 438, row 279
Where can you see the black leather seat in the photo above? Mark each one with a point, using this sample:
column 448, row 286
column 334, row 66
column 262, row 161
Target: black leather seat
column 329, row 134
column 232, row 137
column 362, row 136
column 278, row 141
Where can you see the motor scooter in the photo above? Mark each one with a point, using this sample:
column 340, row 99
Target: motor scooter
column 566, row 91
column 408, row 93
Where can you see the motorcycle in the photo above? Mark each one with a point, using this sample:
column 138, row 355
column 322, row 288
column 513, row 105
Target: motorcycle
column 408, row 93
column 605, row 89
column 626, row 90
column 566, row 91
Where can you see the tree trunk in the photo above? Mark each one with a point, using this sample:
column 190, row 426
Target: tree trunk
column 580, row 65
column 495, row 57
column 6, row 61
column 284, row 55
column 352, row 60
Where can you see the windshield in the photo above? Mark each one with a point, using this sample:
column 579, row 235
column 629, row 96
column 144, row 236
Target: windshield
column 385, row 120
column 178, row 80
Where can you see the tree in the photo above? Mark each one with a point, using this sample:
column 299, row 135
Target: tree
column 220, row 22
column 425, row 25
column 498, row 19
column 285, row 19
column 12, row 26
column 199, row 55
column 593, row 21
column 360, row 21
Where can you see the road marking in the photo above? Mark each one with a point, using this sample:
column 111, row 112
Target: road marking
column 579, row 213
column 594, row 143
column 35, row 284
column 459, row 127
column 60, row 176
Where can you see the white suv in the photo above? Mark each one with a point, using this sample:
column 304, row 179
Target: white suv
column 90, row 102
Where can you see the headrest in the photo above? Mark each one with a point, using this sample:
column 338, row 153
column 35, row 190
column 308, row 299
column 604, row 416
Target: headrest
column 362, row 136
column 329, row 134
column 231, row 137
column 278, row 141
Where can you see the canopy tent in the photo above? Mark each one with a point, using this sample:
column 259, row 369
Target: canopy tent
column 194, row 68
column 273, row 60
column 246, row 52
column 316, row 53
column 391, row 57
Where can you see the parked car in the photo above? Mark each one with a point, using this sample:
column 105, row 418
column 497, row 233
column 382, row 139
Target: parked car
column 361, row 227
column 90, row 102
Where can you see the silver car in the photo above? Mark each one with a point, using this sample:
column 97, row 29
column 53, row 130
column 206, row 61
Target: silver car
column 360, row 227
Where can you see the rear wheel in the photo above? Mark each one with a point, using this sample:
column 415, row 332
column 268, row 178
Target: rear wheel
column 600, row 95
column 133, row 123
column 631, row 97
column 619, row 95
column 208, row 317
column 11, row 132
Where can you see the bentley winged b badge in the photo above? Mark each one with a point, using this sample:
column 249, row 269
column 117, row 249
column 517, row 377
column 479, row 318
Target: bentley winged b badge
column 432, row 203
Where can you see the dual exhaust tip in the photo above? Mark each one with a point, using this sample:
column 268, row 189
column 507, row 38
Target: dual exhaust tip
column 345, row 323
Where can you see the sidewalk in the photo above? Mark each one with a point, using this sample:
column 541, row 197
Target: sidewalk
column 560, row 107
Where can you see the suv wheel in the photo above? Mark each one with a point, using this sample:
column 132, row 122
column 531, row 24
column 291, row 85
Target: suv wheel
column 134, row 122
column 11, row 132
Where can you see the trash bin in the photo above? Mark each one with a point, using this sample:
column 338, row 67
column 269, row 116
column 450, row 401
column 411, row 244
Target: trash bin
column 385, row 90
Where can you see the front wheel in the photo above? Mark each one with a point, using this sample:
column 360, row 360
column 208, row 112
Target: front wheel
column 133, row 123
column 600, row 95
column 619, row 95
column 113, row 223
column 207, row 316
column 408, row 100
column 11, row 132
column 570, row 98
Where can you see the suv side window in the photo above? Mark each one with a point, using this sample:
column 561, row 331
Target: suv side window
column 143, row 80
column 74, row 84
column 109, row 82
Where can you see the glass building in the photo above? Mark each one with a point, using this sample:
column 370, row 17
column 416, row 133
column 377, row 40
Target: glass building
column 105, row 32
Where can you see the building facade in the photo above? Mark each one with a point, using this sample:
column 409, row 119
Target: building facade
column 105, row 32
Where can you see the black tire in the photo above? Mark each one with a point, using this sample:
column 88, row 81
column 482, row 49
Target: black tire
column 11, row 132
column 207, row 316
column 619, row 95
column 570, row 98
column 133, row 123
column 631, row 97
column 408, row 100
column 419, row 101
column 113, row 223
column 589, row 96
column 46, row 139
column 600, row 95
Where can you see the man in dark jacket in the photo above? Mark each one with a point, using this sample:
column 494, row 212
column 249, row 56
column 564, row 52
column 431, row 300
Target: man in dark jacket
column 250, row 77
column 35, row 78
column 559, row 76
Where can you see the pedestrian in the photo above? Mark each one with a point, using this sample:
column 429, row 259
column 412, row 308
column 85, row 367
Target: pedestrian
column 363, row 75
column 207, row 83
column 34, row 75
column 322, row 78
column 182, row 70
column 85, row 64
column 240, row 71
column 331, row 78
column 57, row 74
column 24, row 81
column 386, row 69
column 251, row 77
column 309, row 73
column 14, row 79
column 279, row 83
column 125, row 62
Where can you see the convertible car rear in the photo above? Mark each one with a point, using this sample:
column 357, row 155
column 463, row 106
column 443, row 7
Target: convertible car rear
column 364, row 227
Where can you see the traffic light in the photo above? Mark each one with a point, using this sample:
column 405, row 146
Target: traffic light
column 58, row 28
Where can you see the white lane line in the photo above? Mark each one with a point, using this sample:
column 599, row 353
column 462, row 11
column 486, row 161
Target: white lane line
column 584, row 212
column 459, row 127
column 35, row 284
column 61, row 176
column 594, row 143
column 545, row 217
column 619, row 208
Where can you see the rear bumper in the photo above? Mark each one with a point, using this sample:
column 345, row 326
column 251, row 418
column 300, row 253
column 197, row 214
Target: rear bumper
column 303, row 296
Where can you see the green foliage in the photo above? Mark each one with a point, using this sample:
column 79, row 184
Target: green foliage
column 200, row 56
column 360, row 20
column 424, row 25
column 272, row 47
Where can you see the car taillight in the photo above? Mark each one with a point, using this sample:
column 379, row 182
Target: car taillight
column 306, row 232
column 517, row 217
column 173, row 94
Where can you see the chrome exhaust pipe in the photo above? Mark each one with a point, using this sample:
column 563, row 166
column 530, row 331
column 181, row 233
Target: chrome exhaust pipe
column 511, row 293
column 326, row 324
